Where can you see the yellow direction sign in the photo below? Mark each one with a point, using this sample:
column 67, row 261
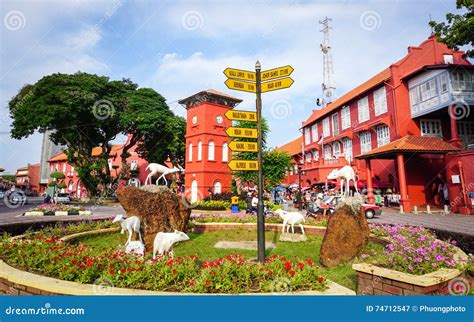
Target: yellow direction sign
column 237, row 115
column 276, row 73
column 277, row 84
column 240, row 74
column 243, row 146
column 243, row 165
column 240, row 132
column 241, row 86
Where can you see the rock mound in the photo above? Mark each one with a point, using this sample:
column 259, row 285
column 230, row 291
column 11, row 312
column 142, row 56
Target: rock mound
column 347, row 234
column 159, row 209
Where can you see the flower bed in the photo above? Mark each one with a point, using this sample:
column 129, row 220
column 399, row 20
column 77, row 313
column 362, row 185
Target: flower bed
column 221, row 205
column 248, row 218
column 56, row 210
column 413, row 262
column 46, row 254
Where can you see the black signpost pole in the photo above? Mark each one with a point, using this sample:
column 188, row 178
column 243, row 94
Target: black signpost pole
column 260, row 215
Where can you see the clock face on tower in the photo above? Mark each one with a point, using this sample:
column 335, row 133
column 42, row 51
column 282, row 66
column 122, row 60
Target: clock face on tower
column 219, row 119
column 195, row 119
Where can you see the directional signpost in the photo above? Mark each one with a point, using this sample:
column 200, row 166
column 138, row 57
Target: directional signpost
column 243, row 146
column 257, row 82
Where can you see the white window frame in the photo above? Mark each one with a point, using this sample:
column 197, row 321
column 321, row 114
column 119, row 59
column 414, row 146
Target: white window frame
column 217, row 187
column 380, row 101
column 363, row 109
column 314, row 132
column 308, row 157
column 211, row 149
column 199, row 158
column 190, row 152
column 335, row 125
column 383, row 135
column 336, row 149
column 347, row 149
column 326, row 128
column 327, row 152
column 365, row 142
column 225, row 152
column 307, row 136
column 345, row 117
column 133, row 164
column 316, row 155
column 431, row 127
column 428, row 90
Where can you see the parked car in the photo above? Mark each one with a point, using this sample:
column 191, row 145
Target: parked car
column 330, row 202
column 62, row 198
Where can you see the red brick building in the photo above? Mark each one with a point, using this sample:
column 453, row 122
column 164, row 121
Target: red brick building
column 27, row 178
column 374, row 128
column 207, row 152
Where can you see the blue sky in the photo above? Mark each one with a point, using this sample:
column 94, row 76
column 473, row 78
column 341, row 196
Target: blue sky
column 181, row 47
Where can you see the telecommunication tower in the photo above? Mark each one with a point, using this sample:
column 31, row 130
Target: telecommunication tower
column 328, row 72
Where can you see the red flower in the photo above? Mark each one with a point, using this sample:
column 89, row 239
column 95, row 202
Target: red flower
column 75, row 262
column 68, row 254
column 112, row 272
column 301, row 265
column 102, row 266
column 287, row 266
column 82, row 265
column 129, row 269
column 64, row 268
column 89, row 262
column 292, row 273
column 310, row 263
column 192, row 257
column 191, row 283
column 204, row 264
column 321, row 279
column 270, row 272
column 170, row 263
column 138, row 269
column 14, row 245
column 211, row 264
column 174, row 272
column 123, row 271
column 212, row 273
column 138, row 262
column 208, row 283
column 283, row 259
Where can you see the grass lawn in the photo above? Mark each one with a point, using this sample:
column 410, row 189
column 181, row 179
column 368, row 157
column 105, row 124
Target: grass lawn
column 202, row 246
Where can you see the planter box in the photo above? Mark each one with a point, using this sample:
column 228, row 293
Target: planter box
column 60, row 213
column 85, row 212
column 73, row 213
column 34, row 213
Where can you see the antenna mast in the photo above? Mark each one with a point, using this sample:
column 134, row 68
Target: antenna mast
column 328, row 72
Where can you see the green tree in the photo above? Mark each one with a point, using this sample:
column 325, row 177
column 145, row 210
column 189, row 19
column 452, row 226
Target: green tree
column 275, row 163
column 459, row 28
column 84, row 111
column 57, row 182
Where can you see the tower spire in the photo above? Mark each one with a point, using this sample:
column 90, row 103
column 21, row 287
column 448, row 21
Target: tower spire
column 328, row 72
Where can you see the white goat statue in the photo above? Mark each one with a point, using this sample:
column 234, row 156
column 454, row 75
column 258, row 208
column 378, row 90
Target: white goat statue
column 164, row 243
column 156, row 168
column 136, row 247
column 291, row 219
column 130, row 224
column 345, row 175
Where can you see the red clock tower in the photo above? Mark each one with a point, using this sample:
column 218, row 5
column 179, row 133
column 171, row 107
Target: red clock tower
column 207, row 152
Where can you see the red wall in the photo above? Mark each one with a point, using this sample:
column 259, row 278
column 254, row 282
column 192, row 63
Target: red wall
column 452, row 168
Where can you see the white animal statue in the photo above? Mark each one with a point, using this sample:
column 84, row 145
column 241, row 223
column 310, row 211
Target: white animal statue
column 344, row 174
column 164, row 242
column 291, row 219
column 136, row 247
column 130, row 224
column 156, row 168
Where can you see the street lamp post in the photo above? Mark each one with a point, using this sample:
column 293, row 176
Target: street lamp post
column 300, row 192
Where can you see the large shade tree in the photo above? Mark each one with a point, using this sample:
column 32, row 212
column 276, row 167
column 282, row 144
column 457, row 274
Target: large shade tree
column 83, row 111
column 458, row 30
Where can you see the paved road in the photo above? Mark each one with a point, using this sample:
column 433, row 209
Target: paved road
column 462, row 224
column 12, row 215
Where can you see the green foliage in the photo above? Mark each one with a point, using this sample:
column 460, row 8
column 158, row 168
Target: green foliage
column 8, row 177
column 84, row 111
column 62, row 185
column 275, row 163
column 57, row 175
column 459, row 28
column 211, row 205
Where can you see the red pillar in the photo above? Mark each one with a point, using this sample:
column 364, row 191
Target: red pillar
column 455, row 140
column 370, row 189
column 404, row 201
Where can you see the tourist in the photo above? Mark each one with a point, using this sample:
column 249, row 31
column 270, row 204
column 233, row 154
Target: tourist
column 254, row 203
